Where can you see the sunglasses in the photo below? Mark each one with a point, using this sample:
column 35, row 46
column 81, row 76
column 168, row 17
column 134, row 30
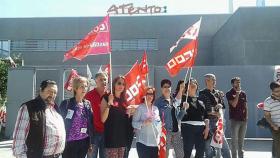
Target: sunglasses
column 121, row 83
column 150, row 94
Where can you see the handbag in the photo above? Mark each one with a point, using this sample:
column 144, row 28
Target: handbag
column 262, row 123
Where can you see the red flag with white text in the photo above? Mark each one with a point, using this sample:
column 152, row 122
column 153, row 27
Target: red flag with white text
column 96, row 42
column 190, row 33
column 135, row 85
column 217, row 138
column 107, row 70
column 72, row 75
column 182, row 59
column 162, row 141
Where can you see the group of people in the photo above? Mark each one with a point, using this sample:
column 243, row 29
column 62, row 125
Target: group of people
column 102, row 123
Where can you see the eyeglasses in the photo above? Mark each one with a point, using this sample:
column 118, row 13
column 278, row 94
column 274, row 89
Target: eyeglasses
column 121, row 83
column 166, row 87
column 277, row 91
column 150, row 94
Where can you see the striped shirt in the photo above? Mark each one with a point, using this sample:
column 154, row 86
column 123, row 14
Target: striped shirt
column 54, row 141
column 273, row 106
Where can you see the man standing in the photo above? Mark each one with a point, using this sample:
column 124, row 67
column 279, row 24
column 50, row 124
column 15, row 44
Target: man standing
column 94, row 96
column 272, row 114
column 213, row 100
column 39, row 131
column 238, row 115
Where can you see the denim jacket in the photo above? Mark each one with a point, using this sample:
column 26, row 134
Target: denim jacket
column 71, row 104
column 170, row 112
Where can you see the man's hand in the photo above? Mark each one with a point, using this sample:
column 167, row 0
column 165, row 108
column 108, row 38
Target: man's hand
column 275, row 127
column 218, row 106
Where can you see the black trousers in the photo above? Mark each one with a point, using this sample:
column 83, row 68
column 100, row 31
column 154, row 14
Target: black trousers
column 76, row 148
column 193, row 136
column 146, row 151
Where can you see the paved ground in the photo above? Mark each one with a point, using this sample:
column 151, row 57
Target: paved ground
column 254, row 148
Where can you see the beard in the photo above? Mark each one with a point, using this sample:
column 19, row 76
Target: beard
column 49, row 100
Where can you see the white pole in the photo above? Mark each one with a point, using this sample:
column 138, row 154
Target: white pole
column 111, row 72
column 188, row 85
column 186, row 75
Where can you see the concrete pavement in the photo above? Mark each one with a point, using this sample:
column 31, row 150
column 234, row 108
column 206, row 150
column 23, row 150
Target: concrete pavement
column 254, row 148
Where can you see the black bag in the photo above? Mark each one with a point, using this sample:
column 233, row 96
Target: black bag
column 262, row 123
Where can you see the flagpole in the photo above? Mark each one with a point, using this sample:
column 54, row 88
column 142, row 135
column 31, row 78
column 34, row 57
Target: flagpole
column 186, row 75
column 111, row 74
column 188, row 85
column 147, row 77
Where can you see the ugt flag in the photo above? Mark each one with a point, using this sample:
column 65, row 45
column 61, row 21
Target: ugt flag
column 96, row 42
column 135, row 85
column 182, row 59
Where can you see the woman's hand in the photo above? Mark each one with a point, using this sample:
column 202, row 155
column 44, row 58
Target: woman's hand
column 111, row 99
column 90, row 149
column 147, row 122
column 186, row 105
column 206, row 133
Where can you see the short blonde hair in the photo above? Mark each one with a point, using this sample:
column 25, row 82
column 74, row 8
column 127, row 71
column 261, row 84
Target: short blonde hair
column 77, row 81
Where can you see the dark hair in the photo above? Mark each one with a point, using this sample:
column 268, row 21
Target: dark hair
column 178, row 88
column 154, row 93
column 122, row 97
column 100, row 74
column 274, row 85
column 165, row 81
column 192, row 80
column 234, row 79
column 46, row 83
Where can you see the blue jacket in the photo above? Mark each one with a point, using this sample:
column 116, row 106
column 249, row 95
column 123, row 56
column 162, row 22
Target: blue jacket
column 71, row 104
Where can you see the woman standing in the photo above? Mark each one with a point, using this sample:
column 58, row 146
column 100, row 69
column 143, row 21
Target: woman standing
column 116, row 120
column 194, row 124
column 78, row 121
column 147, row 123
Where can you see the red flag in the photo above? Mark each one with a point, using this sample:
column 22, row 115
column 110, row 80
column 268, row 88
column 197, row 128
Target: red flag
column 96, row 42
column 144, row 64
column 135, row 87
column 72, row 75
column 217, row 138
column 162, row 141
column 107, row 69
column 182, row 59
column 260, row 105
column 190, row 33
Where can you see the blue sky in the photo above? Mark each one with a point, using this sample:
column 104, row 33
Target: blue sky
column 76, row 8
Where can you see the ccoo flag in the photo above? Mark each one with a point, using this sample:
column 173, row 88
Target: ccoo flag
column 96, row 42
column 182, row 59
column 190, row 33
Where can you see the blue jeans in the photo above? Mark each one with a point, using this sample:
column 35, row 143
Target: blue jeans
column 211, row 151
column 98, row 146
